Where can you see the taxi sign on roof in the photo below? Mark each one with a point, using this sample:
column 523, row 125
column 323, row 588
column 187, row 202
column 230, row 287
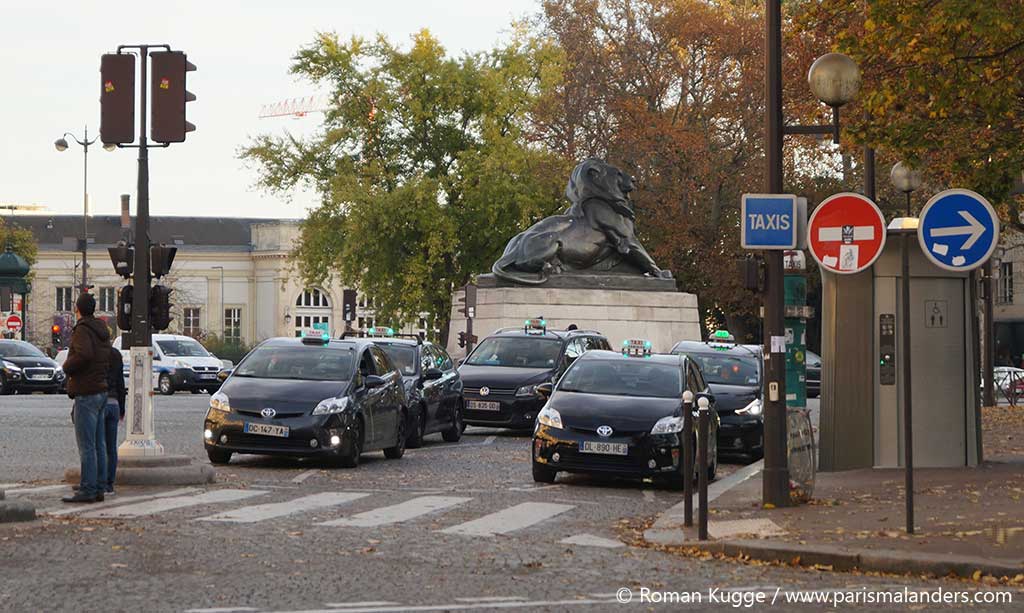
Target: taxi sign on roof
column 381, row 331
column 537, row 325
column 313, row 335
column 636, row 347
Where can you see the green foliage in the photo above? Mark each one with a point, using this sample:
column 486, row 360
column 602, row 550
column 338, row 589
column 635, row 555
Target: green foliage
column 225, row 349
column 424, row 167
column 21, row 240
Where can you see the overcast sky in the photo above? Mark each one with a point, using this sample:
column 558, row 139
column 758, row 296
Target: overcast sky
column 50, row 84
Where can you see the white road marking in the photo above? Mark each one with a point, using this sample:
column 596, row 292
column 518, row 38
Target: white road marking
column 38, row 490
column 221, row 610
column 177, row 502
column 368, row 603
column 260, row 512
column 491, row 599
column 515, row 604
column 589, row 540
column 509, row 520
column 490, row 439
column 111, row 502
column 410, row 509
column 7, row 485
column 299, row 478
column 533, row 488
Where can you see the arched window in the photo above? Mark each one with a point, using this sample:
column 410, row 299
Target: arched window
column 312, row 307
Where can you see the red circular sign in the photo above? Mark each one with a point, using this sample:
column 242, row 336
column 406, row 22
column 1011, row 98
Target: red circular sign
column 846, row 233
column 14, row 323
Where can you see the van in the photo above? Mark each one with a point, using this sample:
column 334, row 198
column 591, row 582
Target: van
column 180, row 363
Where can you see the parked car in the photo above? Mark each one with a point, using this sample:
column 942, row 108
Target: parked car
column 180, row 363
column 26, row 369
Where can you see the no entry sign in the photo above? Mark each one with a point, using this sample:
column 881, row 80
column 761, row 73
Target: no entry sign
column 14, row 323
column 846, row 233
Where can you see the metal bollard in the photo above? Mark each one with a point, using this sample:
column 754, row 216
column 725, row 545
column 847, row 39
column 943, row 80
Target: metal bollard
column 688, row 458
column 702, row 468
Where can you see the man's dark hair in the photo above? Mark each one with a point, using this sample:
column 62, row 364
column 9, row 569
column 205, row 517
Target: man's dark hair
column 572, row 327
column 86, row 304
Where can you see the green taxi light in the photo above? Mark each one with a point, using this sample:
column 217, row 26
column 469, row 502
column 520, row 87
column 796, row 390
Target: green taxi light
column 722, row 334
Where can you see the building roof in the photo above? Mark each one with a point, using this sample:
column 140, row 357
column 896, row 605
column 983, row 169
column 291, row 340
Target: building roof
column 63, row 231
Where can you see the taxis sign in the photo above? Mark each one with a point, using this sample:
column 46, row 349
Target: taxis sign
column 636, row 347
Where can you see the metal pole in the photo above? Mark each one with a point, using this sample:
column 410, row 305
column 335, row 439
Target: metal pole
column 908, row 429
column 776, row 471
column 85, row 211
column 869, row 172
column 989, row 356
column 687, row 458
column 140, row 294
column 702, row 468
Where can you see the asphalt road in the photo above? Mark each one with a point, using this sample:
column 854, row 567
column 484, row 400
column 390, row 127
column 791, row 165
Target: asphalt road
column 451, row 526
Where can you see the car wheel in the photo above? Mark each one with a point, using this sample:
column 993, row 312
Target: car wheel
column 396, row 452
column 165, row 384
column 543, row 474
column 218, row 456
column 454, row 433
column 351, row 459
column 415, row 439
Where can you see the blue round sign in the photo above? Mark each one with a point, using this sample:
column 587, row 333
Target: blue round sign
column 958, row 230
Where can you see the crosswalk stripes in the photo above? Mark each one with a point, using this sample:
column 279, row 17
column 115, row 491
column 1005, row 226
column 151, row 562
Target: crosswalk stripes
column 161, row 505
column 509, row 520
column 261, row 512
column 112, row 502
column 410, row 509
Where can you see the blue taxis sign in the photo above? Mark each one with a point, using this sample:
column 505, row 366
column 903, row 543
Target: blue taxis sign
column 769, row 221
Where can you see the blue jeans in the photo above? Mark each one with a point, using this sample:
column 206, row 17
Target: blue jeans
column 90, row 434
column 111, row 417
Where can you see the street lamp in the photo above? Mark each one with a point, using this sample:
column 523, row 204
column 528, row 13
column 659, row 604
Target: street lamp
column 61, row 144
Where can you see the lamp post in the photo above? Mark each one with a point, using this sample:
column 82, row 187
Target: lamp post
column 907, row 180
column 61, row 144
column 221, row 268
column 834, row 79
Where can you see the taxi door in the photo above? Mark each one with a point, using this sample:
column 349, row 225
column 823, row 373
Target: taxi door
column 433, row 391
column 389, row 404
column 368, row 399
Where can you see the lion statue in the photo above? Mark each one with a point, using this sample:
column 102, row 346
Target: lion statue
column 595, row 233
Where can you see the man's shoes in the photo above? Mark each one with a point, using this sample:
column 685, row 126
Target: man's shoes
column 99, row 497
column 80, row 497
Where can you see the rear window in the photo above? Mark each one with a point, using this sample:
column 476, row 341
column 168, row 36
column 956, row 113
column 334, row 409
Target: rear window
column 299, row 362
column 517, row 352
column 633, row 377
column 727, row 369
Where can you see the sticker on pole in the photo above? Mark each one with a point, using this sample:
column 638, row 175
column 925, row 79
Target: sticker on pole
column 846, row 233
column 958, row 230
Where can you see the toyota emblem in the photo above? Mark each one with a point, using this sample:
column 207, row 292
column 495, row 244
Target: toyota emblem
column 485, row 391
column 605, row 431
column 268, row 412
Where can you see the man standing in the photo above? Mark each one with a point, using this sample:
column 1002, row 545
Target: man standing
column 117, row 396
column 86, row 368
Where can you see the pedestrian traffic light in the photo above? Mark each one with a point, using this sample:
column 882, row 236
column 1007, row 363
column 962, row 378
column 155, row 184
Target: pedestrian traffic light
column 160, row 307
column 124, row 308
column 469, row 298
column 123, row 258
column 55, row 336
column 117, row 98
column 462, row 339
column 160, row 259
column 348, row 305
column 167, row 89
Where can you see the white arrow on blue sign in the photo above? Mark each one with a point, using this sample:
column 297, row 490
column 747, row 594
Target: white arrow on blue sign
column 958, row 230
column 769, row 221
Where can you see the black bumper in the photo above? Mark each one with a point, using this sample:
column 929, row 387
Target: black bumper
column 740, row 434
column 515, row 413
column 227, row 434
column 18, row 383
column 188, row 379
column 663, row 449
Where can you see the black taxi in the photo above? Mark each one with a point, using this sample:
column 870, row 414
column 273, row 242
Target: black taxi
column 501, row 375
column 309, row 396
column 620, row 413
column 433, row 387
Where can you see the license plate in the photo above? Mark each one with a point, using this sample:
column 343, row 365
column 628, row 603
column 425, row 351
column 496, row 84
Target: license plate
column 39, row 378
column 604, row 448
column 483, row 405
column 207, row 376
column 266, row 430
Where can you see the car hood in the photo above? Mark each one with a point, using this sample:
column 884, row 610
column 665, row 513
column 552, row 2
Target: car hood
column 502, row 376
column 196, row 361
column 31, row 362
column 728, row 398
column 280, row 394
column 622, row 413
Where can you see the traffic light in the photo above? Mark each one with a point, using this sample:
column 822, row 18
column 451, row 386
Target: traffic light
column 124, row 308
column 348, row 305
column 462, row 339
column 160, row 259
column 55, row 336
column 123, row 258
column 469, row 298
column 117, row 98
column 168, row 93
column 160, row 307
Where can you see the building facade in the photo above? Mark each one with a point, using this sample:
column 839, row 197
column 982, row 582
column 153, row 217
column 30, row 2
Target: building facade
column 1008, row 293
column 231, row 278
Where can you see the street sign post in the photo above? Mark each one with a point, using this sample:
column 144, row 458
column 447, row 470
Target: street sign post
column 958, row 230
column 770, row 221
column 846, row 233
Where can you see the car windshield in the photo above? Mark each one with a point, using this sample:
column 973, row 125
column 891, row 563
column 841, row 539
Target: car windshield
column 728, row 369
column 404, row 357
column 182, row 349
column 632, row 377
column 517, row 352
column 19, row 349
column 301, row 362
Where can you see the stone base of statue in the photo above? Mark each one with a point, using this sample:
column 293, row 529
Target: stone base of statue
column 620, row 306
column 15, row 510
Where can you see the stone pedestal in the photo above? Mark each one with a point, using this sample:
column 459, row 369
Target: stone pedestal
column 15, row 510
column 646, row 311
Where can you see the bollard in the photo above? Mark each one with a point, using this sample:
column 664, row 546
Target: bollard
column 687, row 458
column 702, row 468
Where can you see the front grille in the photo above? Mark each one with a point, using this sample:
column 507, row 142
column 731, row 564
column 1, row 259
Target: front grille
column 206, row 369
column 256, row 441
column 278, row 415
column 571, row 458
column 32, row 373
column 495, row 391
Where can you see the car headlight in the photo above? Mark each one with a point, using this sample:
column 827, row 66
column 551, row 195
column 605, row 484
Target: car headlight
column 753, row 408
column 550, row 417
column 219, row 402
column 180, row 364
column 668, row 425
column 329, row 406
column 526, row 391
column 11, row 366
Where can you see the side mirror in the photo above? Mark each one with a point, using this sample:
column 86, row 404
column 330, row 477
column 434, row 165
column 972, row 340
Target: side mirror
column 432, row 374
column 545, row 389
column 224, row 374
column 372, row 381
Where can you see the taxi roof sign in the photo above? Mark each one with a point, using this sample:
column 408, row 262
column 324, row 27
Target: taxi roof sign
column 315, row 336
column 722, row 340
column 636, row 347
column 537, row 325
column 380, row 331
